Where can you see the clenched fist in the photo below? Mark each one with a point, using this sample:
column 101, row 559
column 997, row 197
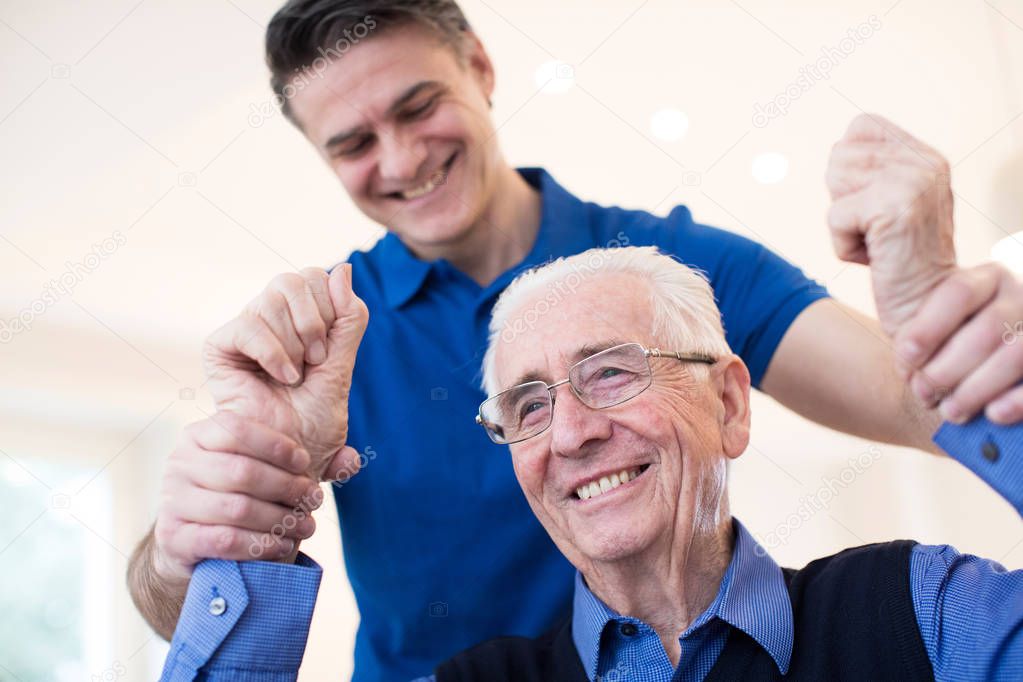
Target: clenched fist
column 287, row 360
column 891, row 210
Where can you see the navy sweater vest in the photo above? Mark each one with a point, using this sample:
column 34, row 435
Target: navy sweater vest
column 853, row 618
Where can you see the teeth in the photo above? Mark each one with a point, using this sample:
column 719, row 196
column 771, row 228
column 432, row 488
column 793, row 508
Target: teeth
column 436, row 179
column 605, row 483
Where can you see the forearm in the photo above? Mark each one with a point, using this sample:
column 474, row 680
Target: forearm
column 835, row 366
column 157, row 599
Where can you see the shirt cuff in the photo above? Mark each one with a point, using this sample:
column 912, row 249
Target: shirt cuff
column 992, row 451
column 249, row 615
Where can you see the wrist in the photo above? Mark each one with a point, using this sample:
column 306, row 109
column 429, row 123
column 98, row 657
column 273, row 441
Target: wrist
column 899, row 297
column 167, row 571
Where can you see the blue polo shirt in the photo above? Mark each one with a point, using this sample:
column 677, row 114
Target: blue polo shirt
column 440, row 545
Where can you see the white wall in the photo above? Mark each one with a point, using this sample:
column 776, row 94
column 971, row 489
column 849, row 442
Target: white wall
column 148, row 118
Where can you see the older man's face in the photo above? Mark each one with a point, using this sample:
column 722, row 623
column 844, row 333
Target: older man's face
column 671, row 434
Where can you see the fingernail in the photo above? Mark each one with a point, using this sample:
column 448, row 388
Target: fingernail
column 317, row 353
column 287, row 546
column 315, row 496
column 950, row 412
column 291, row 374
column 998, row 411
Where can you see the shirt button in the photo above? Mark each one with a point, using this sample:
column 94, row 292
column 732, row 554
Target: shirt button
column 629, row 629
column 217, row 606
column 990, row 451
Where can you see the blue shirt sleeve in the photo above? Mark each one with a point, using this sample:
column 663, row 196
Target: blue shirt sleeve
column 970, row 610
column 244, row 620
column 993, row 452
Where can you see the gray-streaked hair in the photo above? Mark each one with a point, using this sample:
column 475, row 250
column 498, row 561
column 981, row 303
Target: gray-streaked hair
column 685, row 316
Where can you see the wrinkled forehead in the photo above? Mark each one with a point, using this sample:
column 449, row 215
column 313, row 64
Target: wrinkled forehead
column 553, row 328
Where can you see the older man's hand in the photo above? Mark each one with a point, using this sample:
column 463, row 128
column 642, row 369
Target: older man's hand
column 955, row 330
column 891, row 210
column 287, row 360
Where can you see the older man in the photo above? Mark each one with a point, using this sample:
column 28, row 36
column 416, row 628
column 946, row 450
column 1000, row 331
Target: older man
column 622, row 405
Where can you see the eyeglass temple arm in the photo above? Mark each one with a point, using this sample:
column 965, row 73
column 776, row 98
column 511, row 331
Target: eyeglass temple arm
column 682, row 357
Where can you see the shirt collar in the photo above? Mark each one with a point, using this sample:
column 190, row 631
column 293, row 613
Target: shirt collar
column 404, row 274
column 563, row 231
column 752, row 597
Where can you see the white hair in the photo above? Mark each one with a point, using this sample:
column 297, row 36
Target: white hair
column 685, row 316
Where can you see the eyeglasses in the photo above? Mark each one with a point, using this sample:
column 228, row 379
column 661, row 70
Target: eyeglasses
column 603, row 380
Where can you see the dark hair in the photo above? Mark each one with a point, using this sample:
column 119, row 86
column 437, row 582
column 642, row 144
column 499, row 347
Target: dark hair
column 305, row 32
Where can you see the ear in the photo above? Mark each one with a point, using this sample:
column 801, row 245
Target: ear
column 479, row 63
column 733, row 384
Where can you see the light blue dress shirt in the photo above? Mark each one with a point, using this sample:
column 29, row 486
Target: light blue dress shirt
column 250, row 620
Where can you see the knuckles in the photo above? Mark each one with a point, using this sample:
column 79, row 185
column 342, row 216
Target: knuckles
column 237, row 508
column 240, row 471
column 223, row 541
column 311, row 327
column 289, row 283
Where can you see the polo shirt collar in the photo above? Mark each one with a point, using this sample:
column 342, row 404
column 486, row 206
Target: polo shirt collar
column 752, row 597
column 403, row 273
column 564, row 230
column 564, row 220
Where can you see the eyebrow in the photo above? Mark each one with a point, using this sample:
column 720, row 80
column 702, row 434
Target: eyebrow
column 581, row 353
column 402, row 100
column 594, row 348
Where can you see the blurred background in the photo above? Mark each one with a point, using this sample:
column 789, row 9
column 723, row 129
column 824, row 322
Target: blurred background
column 145, row 167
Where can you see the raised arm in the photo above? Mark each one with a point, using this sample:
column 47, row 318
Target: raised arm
column 280, row 374
column 892, row 211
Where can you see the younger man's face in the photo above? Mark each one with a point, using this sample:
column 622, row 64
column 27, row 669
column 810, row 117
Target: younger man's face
column 405, row 124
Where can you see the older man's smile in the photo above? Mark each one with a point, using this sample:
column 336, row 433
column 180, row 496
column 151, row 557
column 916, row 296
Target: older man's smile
column 600, row 485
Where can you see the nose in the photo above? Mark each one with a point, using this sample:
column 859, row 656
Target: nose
column 400, row 159
column 574, row 426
